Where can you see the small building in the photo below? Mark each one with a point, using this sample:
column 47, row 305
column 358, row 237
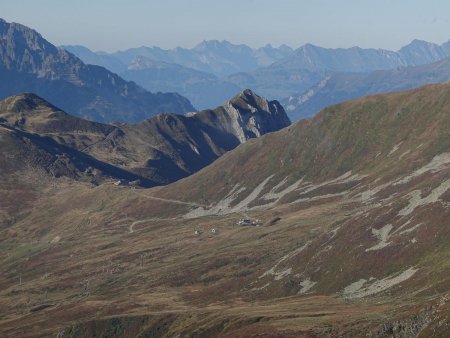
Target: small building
column 248, row 221
column 244, row 221
column 213, row 230
column 121, row 182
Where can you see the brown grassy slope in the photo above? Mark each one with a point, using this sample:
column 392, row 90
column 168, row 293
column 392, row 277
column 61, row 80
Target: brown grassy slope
column 81, row 259
column 357, row 135
column 162, row 149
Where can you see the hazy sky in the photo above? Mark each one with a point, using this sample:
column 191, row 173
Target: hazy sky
column 118, row 24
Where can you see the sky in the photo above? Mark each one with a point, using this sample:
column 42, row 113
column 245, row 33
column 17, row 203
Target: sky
column 111, row 25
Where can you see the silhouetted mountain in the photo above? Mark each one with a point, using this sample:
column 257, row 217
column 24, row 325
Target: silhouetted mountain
column 29, row 63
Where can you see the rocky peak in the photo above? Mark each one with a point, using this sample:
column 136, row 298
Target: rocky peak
column 422, row 52
column 252, row 115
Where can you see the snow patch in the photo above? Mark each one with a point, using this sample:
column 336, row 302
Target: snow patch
column 306, row 285
column 416, row 200
column 438, row 163
column 274, row 195
column 363, row 287
column 404, row 154
column 281, row 274
column 222, row 207
column 395, row 148
column 243, row 205
column 284, row 273
column 382, row 236
column 56, row 239
column 260, row 288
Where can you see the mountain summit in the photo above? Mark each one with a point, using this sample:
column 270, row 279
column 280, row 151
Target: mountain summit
column 253, row 116
column 159, row 150
column 32, row 64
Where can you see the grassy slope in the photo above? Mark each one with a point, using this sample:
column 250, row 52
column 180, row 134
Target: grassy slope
column 159, row 271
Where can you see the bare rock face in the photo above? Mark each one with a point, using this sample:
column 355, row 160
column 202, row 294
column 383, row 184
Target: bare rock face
column 253, row 116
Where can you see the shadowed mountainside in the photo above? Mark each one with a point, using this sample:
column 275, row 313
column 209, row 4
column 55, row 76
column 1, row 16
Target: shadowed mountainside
column 160, row 150
column 32, row 64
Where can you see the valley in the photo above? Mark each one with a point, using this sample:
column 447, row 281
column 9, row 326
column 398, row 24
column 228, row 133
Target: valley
column 353, row 241
column 152, row 185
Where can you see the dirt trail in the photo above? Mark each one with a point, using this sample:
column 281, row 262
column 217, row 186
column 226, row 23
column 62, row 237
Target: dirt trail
column 169, row 200
column 131, row 227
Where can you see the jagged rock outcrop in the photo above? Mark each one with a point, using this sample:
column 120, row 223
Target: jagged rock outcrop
column 253, row 115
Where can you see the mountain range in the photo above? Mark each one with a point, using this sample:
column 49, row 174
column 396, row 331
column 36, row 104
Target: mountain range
column 122, row 218
column 340, row 87
column 32, row 64
column 336, row 226
column 309, row 65
column 198, row 73
column 284, row 73
column 220, row 58
column 159, row 150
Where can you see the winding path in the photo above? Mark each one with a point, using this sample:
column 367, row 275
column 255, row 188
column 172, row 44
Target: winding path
column 170, row 200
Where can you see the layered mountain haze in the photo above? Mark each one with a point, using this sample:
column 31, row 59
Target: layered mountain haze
column 333, row 226
column 97, row 59
column 308, row 65
column 217, row 57
column 339, row 87
column 203, row 89
column 32, row 64
column 196, row 73
column 357, row 60
column 279, row 73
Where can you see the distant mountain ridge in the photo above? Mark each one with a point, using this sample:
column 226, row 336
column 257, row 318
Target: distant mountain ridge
column 308, row 65
column 356, row 59
column 339, row 87
column 157, row 151
column 32, row 64
column 220, row 58
column 203, row 89
column 196, row 73
column 272, row 72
